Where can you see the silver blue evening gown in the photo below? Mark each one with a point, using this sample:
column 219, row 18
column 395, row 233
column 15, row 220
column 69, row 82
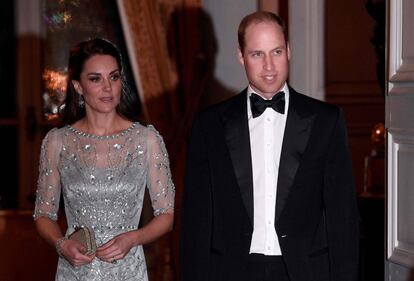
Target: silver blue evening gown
column 103, row 181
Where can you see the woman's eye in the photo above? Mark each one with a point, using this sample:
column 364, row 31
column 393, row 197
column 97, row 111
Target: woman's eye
column 95, row 79
column 115, row 77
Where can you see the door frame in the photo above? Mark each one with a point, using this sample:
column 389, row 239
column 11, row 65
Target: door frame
column 400, row 137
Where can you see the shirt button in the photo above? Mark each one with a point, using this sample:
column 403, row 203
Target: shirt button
column 268, row 119
column 268, row 247
column 269, row 222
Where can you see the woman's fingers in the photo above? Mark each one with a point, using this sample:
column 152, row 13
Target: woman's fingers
column 106, row 245
column 115, row 249
column 74, row 251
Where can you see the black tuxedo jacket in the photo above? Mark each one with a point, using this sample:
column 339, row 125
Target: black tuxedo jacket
column 316, row 215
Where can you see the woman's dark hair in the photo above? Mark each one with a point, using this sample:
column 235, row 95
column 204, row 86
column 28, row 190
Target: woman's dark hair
column 72, row 111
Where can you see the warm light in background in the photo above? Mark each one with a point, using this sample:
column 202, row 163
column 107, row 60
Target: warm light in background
column 378, row 135
column 55, row 91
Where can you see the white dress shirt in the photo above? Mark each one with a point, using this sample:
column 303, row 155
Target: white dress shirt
column 266, row 136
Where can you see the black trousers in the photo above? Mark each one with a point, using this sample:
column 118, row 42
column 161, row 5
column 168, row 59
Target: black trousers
column 266, row 268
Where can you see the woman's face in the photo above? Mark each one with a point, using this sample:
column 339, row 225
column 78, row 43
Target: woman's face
column 100, row 84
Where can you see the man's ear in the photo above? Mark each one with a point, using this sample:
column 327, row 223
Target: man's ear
column 240, row 55
column 77, row 87
column 288, row 50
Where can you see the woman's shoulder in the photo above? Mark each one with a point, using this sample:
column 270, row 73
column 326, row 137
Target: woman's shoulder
column 152, row 131
column 56, row 132
column 54, row 137
column 144, row 129
column 148, row 132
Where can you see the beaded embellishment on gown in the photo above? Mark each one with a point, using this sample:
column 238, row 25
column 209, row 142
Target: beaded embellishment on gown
column 103, row 179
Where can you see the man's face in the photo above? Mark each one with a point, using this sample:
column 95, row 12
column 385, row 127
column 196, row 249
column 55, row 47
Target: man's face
column 265, row 58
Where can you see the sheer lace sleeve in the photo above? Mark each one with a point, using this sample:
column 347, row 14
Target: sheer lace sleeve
column 159, row 182
column 48, row 186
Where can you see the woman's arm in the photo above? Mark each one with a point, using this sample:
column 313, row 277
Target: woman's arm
column 47, row 201
column 70, row 250
column 48, row 229
column 157, row 227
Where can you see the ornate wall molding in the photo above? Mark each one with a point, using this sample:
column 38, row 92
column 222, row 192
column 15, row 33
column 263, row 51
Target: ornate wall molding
column 401, row 36
column 400, row 125
column 400, row 246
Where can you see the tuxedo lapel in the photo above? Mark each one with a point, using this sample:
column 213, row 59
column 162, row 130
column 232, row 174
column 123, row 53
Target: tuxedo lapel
column 298, row 127
column 238, row 143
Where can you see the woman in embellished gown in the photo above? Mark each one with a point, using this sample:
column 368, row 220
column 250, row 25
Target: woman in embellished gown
column 101, row 161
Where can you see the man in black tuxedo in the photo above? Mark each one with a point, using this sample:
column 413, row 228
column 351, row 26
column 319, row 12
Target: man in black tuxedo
column 269, row 192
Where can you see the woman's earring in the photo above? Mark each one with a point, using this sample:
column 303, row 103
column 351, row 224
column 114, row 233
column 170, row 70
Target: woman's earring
column 81, row 102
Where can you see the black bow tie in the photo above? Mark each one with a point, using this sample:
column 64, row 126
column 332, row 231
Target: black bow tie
column 259, row 105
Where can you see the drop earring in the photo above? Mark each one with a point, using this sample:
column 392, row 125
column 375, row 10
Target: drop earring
column 81, row 102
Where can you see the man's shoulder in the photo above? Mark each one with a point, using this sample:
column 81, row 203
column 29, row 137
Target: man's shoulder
column 235, row 101
column 311, row 103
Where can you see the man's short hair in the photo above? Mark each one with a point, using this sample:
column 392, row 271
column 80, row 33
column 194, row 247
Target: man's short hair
column 258, row 17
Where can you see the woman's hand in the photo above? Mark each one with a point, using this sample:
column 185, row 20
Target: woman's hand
column 119, row 246
column 116, row 248
column 73, row 252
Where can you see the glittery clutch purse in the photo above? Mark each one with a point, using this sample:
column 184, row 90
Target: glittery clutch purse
column 86, row 236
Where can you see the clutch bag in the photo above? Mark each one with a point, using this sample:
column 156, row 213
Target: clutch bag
column 86, row 236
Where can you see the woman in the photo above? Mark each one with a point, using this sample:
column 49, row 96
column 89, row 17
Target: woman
column 101, row 161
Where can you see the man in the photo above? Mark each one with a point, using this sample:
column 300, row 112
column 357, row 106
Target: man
column 269, row 192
